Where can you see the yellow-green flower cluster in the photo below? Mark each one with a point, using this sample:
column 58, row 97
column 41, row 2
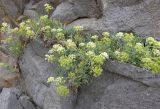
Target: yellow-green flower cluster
column 152, row 42
column 70, row 44
column 97, row 71
column 90, row 54
column 82, row 44
column 105, row 34
column 78, row 28
column 57, row 81
column 62, row 90
column 150, row 64
column 120, row 35
column 24, row 30
column 128, row 37
column 48, row 7
column 65, row 62
column 94, row 37
column 4, row 27
column 44, row 18
column 139, row 48
column 121, row 56
column 57, row 48
column 91, row 45
column 106, row 40
column 156, row 52
column 49, row 58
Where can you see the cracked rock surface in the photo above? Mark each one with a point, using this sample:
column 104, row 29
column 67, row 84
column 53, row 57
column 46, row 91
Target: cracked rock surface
column 141, row 17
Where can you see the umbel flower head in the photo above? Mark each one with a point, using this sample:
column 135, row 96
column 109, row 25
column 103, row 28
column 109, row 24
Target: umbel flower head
column 139, row 48
column 90, row 54
column 94, row 37
column 82, row 44
column 105, row 34
column 119, row 34
column 91, row 45
column 156, row 52
column 104, row 55
column 121, row 56
column 57, row 48
column 150, row 40
column 48, row 7
column 78, row 28
column 70, row 44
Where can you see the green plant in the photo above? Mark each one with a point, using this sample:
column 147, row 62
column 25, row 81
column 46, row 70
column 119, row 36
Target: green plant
column 16, row 38
column 126, row 47
column 80, row 59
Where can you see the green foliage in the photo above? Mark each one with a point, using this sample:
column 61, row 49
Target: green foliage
column 80, row 57
column 128, row 48
column 16, row 38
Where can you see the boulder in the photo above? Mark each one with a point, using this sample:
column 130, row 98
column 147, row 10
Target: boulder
column 30, row 13
column 137, row 16
column 12, row 98
column 8, row 77
column 10, row 10
column 134, row 73
column 26, row 102
column 8, row 99
column 37, row 6
column 71, row 10
column 21, row 4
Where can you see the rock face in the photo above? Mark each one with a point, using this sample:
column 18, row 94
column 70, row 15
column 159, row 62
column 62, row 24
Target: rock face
column 11, row 9
column 138, row 16
column 8, row 78
column 13, row 99
column 71, row 10
column 116, row 92
column 8, row 7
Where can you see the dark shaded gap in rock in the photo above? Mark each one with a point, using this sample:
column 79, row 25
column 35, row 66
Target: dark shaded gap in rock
column 1, row 89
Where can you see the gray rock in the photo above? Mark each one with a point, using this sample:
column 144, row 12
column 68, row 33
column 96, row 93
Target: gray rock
column 73, row 9
column 112, row 91
column 8, row 78
column 26, row 103
column 36, row 71
column 21, row 4
column 137, row 16
column 133, row 72
column 9, row 99
column 30, row 13
column 9, row 8
column 37, row 6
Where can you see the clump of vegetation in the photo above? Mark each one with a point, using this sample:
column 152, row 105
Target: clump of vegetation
column 79, row 57
column 43, row 27
column 126, row 47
